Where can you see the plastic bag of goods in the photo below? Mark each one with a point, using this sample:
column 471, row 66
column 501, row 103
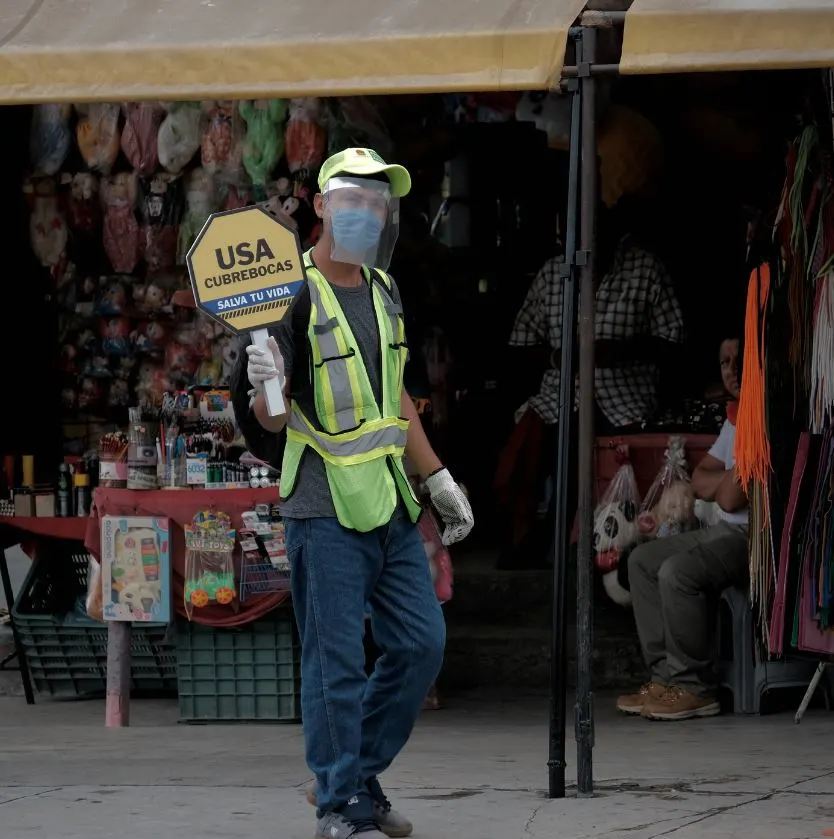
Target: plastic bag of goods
column 669, row 506
column 615, row 526
column 209, row 564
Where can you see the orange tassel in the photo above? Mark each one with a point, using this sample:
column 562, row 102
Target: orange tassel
column 752, row 445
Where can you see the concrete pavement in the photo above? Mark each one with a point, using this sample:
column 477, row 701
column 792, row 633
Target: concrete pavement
column 475, row 770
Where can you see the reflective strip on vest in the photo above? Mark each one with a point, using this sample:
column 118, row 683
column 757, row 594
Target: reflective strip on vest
column 336, row 359
column 382, row 437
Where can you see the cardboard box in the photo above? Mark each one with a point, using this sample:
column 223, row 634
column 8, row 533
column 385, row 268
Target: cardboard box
column 136, row 569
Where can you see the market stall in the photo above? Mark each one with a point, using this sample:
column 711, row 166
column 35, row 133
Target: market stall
column 666, row 36
column 116, row 194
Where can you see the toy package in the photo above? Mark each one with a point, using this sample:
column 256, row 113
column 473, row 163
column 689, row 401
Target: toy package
column 136, row 568
column 209, row 565
column 669, row 506
column 615, row 526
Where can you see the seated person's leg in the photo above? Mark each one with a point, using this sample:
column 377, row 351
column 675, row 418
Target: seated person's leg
column 686, row 582
column 644, row 565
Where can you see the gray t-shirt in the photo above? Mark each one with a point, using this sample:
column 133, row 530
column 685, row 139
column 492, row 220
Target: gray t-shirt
column 311, row 496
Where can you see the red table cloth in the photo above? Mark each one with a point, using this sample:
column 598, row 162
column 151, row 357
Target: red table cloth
column 180, row 507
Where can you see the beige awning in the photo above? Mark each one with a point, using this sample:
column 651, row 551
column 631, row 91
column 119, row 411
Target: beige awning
column 113, row 50
column 677, row 36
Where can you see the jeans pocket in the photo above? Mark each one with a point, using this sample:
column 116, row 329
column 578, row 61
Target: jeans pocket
column 295, row 531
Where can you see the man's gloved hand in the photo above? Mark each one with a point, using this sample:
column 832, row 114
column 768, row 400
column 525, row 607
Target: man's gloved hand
column 265, row 364
column 451, row 505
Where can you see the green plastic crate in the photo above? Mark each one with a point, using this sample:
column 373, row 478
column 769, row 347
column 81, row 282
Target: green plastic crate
column 67, row 652
column 239, row 675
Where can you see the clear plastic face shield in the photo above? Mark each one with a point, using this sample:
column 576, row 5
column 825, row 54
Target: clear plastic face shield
column 363, row 219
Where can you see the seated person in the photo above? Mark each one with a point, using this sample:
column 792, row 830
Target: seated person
column 671, row 580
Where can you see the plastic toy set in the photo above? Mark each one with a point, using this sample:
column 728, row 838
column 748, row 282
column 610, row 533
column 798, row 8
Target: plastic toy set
column 136, row 569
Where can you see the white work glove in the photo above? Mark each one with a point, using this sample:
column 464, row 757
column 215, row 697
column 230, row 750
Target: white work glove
column 265, row 364
column 451, row 505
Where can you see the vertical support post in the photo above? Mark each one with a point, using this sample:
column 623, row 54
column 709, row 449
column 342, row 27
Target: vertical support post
column 561, row 472
column 117, row 712
column 584, row 721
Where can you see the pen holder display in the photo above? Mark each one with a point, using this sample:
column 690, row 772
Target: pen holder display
column 172, row 473
column 141, row 452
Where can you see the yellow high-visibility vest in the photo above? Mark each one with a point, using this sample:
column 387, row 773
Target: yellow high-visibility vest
column 360, row 441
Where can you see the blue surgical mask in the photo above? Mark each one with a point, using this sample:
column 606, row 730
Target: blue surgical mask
column 356, row 231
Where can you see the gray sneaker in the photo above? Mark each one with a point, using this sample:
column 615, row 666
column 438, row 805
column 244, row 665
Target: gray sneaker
column 390, row 822
column 336, row 826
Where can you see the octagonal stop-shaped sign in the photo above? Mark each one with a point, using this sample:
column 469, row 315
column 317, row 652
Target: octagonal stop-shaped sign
column 246, row 268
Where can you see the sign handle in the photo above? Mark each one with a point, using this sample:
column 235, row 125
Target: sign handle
column 273, row 394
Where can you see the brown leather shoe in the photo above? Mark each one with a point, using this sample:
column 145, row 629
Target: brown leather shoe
column 679, row 704
column 633, row 703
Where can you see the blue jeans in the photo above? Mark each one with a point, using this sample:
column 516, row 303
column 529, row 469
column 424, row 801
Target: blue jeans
column 354, row 727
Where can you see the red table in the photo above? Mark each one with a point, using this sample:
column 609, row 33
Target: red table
column 179, row 506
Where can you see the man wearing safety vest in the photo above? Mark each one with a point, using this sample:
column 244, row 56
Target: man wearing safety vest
column 348, row 506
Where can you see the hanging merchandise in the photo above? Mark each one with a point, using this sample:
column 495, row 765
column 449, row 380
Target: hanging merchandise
column 235, row 191
column 121, row 229
column 631, row 155
column 98, row 135
column 161, row 206
column 669, row 506
column 821, row 410
column 84, row 214
column 550, row 112
column 221, row 144
column 209, row 566
column 263, row 144
column 47, row 226
column 615, row 526
column 200, row 203
column 50, row 137
column 140, row 135
column 306, row 139
column 180, row 135
column 355, row 122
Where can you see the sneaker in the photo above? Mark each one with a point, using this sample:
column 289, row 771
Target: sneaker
column 390, row 822
column 352, row 820
column 679, row 704
column 632, row 703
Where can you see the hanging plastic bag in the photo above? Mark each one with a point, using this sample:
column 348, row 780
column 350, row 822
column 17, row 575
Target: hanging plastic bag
column 440, row 562
column 140, row 135
column 222, row 138
column 94, row 605
column 200, row 203
column 161, row 207
column 306, row 139
column 180, row 135
column 669, row 506
column 615, row 518
column 264, row 141
column 98, row 135
column 121, row 229
column 209, row 565
column 49, row 138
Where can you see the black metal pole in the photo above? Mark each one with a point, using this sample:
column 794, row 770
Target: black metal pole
column 8, row 592
column 584, row 722
column 561, row 474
